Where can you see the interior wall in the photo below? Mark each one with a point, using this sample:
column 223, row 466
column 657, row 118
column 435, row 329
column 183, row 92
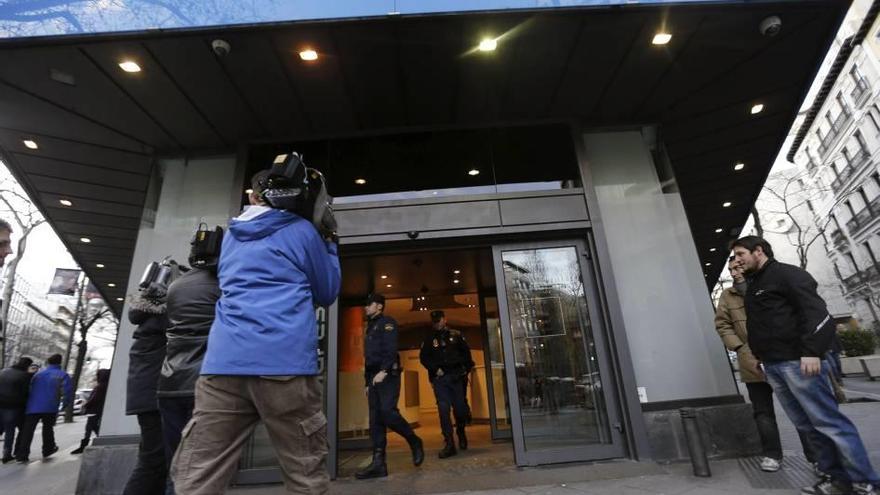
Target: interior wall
column 667, row 313
column 189, row 192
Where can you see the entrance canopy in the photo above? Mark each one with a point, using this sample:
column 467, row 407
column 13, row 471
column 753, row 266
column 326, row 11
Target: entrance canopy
column 82, row 134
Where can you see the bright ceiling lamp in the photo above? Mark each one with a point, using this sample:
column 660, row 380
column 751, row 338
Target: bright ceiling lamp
column 488, row 45
column 308, row 55
column 129, row 66
column 661, row 39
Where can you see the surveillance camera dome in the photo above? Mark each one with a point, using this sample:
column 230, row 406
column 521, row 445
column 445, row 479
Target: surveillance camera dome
column 221, row 47
column 770, row 26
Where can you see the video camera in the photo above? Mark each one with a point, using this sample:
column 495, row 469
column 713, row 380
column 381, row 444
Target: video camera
column 302, row 190
column 157, row 277
column 205, row 250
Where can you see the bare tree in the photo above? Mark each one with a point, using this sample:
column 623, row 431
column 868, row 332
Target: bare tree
column 15, row 203
column 791, row 195
column 84, row 319
column 759, row 228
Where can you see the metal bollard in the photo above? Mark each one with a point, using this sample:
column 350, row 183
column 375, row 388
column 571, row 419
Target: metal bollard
column 694, row 442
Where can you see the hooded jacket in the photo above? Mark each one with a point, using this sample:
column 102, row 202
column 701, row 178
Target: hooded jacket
column 730, row 323
column 274, row 269
column 192, row 299
column 50, row 387
column 15, row 384
column 95, row 404
column 788, row 319
column 146, row 355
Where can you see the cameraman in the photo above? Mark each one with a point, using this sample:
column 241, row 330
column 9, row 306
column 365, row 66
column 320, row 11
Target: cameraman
column 262, row 357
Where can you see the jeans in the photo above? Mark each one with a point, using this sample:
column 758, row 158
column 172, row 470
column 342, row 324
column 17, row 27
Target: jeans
column 176, row 413
column 761, row 396
column 26, row 437
column 149, row 475
column 810, row 404
column 10, row 419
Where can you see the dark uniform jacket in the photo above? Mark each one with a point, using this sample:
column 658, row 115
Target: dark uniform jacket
column 787, row 319
column 380, row 346
column 447, row 350
column 192, row 300
column 145, row 356
column 14, row 386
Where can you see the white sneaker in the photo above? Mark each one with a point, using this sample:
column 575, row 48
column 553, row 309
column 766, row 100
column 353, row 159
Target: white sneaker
column 769, row 464
column 863, row 489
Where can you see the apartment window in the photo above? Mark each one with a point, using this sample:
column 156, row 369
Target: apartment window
column 829, row 120
column 834, row 169
column 810, row 206
column 849, row 207
column 834, row 219
column 852, row 260
column 846, row 155
column 840, row 102
column 863, row 196
column 863, row 146
column 801, row 183
column 854, row 73
column 870, row 252
column 874, row 120
column 876, row 178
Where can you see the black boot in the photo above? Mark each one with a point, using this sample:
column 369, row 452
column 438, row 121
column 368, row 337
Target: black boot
column 418, row 450
column 82, row 447
column 449, row 448
column 376, row 469
column 462, row 438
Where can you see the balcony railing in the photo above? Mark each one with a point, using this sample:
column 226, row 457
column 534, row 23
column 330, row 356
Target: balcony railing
column 861, row 278
column 860, row 92
column 838, row 239
column 835, row 130
column 864, row 217
column 852, row 167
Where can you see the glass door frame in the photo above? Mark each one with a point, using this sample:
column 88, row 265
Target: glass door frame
column 590, row 452
column 497, row 434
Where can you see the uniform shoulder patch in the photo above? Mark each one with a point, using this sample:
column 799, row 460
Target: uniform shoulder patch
column 389, row 327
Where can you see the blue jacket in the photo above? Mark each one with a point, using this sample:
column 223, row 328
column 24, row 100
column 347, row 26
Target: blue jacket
column 48, row 387
column 274, row 269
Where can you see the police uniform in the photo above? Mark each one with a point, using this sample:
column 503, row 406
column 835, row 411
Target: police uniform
column 380, row 354
column 447, row 350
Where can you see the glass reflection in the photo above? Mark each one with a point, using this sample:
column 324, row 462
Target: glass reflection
column 560, row 390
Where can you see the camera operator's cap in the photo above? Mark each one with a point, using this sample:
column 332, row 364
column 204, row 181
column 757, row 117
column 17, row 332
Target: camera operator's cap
column 436, row 315
column 375, row 298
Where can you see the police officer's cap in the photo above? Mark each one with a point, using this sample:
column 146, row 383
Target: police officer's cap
column 436, row 315
column 376, row 298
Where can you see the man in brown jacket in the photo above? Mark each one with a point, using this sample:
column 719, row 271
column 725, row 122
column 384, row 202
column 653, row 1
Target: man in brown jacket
column 730, row 322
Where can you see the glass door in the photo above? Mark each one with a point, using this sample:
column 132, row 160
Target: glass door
column 496, row 382
column 562, row 405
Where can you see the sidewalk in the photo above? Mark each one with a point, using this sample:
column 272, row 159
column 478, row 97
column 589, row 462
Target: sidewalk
column 53, row 476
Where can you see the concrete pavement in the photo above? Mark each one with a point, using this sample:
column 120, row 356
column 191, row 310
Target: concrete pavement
column 53, row 476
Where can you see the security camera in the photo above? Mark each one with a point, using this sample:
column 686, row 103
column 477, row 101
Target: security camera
column 221, row 48
column 770, row 26
column 413, row 234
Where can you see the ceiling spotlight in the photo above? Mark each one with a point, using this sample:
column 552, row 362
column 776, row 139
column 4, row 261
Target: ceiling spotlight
column 473, row 172
column 30, row 144
column 308, row 55
column 488, row 45
column 456, row 281
column 129, row 66
column 661, row 38
column 120, row 299
column 726, row 204
column 65, row 202
column 757, row 108
column 383, row 277
column 739, row 166
column 360, row 182
column 100, row 265
column 111, row 285
column 719, row 230
column 708, row 264
column 713, row 250
column 388, row 285
column 85, row 240
column 456, row 271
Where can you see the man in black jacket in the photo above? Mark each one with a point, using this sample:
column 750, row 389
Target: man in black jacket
column 15, row 383
column 789, row 332
column 191, row 302
column 147, row 310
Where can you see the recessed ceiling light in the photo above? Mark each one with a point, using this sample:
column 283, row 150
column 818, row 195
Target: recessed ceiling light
column 456, row 271
column 85, row 240
column 456, row 281
column 757, row 108
column 129, row 66
column 713, row 250
column 360, row 182
column 308, row 55
column 119, row 299
column 65, row 202
column 383, row 277
column 739, row 166
column 488, row 45
column 111, row 285
column 719, row 230
column 100, row 265
column 708, row 264
column 726, row 204
column 473, row 172
column 661, row 38
column 388, row 285
column 30, row 144
column 248, row 191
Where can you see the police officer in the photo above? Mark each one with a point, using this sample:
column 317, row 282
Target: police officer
column 382, row 374
column 446, row 356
